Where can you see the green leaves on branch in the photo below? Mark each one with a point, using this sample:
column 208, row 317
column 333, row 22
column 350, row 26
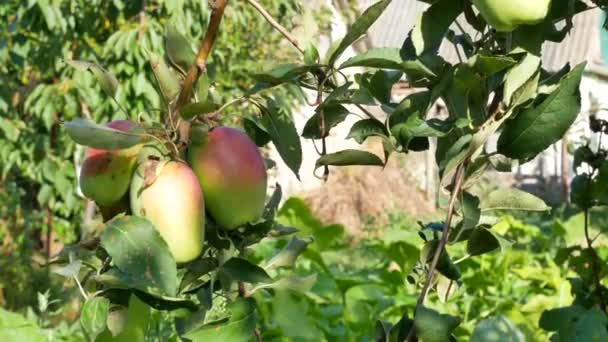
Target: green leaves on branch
column 384, row 58
column 359, row 28
column 329, row 116
column 521, row 81
column 238, row 269
column 239, row 326
column 284, row 72
column 106, row 79
column 536, row 128
column 349, row 157
column 445, row 265
column 279, row 126
column 289, row 254
column 366, row 128
column 431, row 27
column 89, row 133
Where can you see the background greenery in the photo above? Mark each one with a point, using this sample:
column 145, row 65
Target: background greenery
column 39, row 91
column 535, row 268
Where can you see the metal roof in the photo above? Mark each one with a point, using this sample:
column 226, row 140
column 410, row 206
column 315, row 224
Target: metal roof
column 582, row 44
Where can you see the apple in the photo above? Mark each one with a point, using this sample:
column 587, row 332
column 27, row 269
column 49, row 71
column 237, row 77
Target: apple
column 506, row 15
column 168, row 194
column 232, row 174
column 105, row 174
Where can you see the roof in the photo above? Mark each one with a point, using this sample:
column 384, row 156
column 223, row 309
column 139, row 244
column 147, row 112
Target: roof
column 582, row 44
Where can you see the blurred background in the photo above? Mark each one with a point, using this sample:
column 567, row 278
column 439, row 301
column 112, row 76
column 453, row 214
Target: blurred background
column 369, row 215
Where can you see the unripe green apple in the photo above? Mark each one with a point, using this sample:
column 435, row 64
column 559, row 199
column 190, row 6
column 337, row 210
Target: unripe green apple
column 105, row 174
column 168, row 194
column 506, row 15
column 232, row 174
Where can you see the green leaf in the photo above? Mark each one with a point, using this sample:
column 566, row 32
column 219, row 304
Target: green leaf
column 88, row 133
column 432, row 326
column 489, row 65
column 382, row 58
column 359, row 27
column 294, row 283
column 197, row 269
column 333, row 115
column 10, row 128
column 366, row 128
column 238, row 269
column 477, row 142
column 470, row 211
column 168, row 82
column 521, row 80
column 349, row 157
column 273, row 203
column 512, row 199
column 192, row 110
column 70, row 270
column 575, row 323
column 178, row 49
column 138, row 250
column 497, row 329
column 256, row 131
column 311, row 54
column 93, row 316
column 166, row 303
column 481, row 241
column 284, row 72
column 445, row 265
column 432, row 26
column 404, row 254
column 580, row 193
column 289, row 254
column 535, row 129
column 128, row 325
column 381, row 84
column 283, row 133
column 14, row 327
column 106, row 79
column 239, row 327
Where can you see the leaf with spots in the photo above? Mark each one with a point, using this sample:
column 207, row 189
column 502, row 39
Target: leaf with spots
column 93, row 316
column 138, row 250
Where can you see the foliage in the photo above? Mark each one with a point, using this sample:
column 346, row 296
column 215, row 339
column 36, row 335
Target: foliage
column 436, row 282
column 38, row 189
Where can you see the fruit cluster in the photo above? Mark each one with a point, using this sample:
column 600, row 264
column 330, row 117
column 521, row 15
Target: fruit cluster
column 225, row 175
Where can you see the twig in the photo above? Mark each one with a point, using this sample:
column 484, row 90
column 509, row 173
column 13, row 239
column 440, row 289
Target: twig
column 82, row 291
column 594, row 257
column 457, row 184
column 276, row 25
column 322, row 126
column 199, row 63
column 242, row 290
column 258, row 335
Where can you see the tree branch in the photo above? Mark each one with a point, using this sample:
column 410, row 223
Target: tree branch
column 276, row 25
column 199, row 63
column 457, row 184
